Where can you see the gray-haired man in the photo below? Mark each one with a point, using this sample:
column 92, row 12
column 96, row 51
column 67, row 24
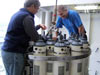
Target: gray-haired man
column 21, row 30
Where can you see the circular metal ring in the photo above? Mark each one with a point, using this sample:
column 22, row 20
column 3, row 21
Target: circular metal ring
column 59, row 58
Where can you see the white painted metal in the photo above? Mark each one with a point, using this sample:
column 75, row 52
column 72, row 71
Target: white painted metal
column 50, row 52
column 48, row 19
column 76, row 65
column 61, row 67
column 39, row 67
column 50, row 67
column 86, row 60
column 68, row 2
column 42, row 20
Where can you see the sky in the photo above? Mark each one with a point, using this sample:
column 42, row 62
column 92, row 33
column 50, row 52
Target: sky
column 8, row 8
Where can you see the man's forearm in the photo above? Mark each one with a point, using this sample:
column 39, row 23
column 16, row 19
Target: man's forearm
column 30, row 28
column 81, row 29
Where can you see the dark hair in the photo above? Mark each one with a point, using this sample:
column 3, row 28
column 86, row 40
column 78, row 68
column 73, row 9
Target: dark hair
column 28, row 3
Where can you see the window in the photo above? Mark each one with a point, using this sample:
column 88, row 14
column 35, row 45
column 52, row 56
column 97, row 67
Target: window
column 7, row 9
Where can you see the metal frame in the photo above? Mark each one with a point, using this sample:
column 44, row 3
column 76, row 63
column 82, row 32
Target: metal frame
column 59, row 58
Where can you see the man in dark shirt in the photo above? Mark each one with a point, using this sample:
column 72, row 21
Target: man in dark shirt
column 21, row 30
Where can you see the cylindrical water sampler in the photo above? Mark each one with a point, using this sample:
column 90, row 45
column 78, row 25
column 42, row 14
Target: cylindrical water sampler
column 76, row 65
column 83, row 39
column 50, row 46
column 61, row 67
column 86, row 49
column 39, row 67
column 27, row 68
column 50, row 52
column 67, row 43
column 71, row 38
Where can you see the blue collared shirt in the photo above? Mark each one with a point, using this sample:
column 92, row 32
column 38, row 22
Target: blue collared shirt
column 71, row 23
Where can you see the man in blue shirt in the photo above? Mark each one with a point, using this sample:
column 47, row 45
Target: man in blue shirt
column 70, row 19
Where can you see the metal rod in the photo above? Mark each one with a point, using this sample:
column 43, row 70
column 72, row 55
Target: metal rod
column 54, row 14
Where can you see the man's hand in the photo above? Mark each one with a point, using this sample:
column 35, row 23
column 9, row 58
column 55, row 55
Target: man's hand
column 81, row 29
column 42, row 26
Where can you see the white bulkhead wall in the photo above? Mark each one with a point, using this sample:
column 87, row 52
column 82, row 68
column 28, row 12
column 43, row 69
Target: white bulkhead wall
column 67, row 2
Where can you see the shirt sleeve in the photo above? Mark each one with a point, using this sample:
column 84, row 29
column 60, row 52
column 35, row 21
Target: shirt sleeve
column 76, row 19
column 30, row 28
column 59, row 22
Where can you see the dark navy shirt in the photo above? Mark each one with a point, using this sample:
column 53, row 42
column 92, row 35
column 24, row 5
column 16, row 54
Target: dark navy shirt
column 71, row 23
column 21, row 30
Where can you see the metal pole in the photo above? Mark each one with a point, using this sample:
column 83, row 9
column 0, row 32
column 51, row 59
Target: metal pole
column 54, row 14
